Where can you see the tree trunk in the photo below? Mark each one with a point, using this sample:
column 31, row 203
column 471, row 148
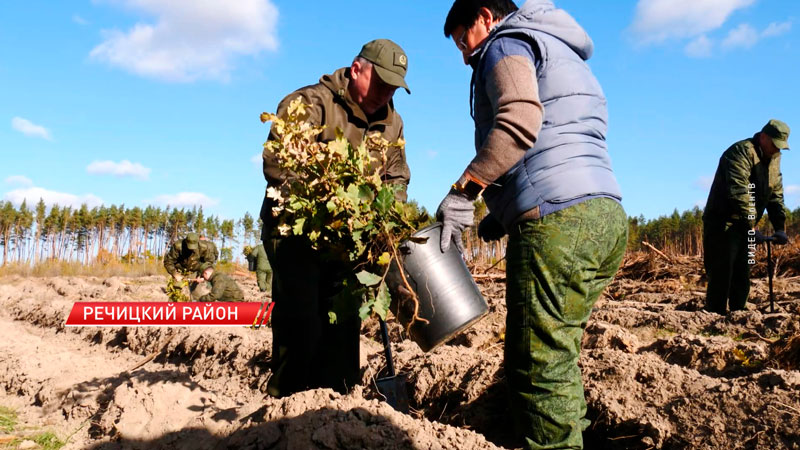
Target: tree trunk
column 6, row 238
column 36, row 247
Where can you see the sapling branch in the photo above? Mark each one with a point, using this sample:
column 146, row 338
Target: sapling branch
column 336, row 198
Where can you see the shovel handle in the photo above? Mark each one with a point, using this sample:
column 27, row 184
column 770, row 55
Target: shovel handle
column 387, row 347
column 770, row 268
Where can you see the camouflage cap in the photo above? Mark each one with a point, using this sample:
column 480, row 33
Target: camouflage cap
column 779, row 132
column 388, row 60
column 191, row 241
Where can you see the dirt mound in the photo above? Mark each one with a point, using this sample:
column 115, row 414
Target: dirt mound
column 659, row 373
column 203, row 388
column 785, row 353
column 318, row 419
column 715, row 356
column 654, row 404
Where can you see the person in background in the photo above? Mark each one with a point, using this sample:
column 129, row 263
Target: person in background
column 748, row 180
column 188, row 257
column 223, row 287
column 258, row 262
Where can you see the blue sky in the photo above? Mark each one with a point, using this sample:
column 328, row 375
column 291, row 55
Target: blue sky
column 152, row 102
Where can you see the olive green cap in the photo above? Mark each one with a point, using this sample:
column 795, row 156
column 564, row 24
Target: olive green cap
column 191, row 241
column 388, row 60
column 779, row 132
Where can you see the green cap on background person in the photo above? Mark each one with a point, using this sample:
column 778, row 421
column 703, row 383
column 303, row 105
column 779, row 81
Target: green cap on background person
column 388, row 60
column 191, row 241
column 779, row 132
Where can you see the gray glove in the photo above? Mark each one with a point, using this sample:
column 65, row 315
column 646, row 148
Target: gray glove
column 780, row 237
column 456, row 212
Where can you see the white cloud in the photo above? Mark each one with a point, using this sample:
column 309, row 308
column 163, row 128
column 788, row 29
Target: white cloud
column 29, row 128
column 743, row 36
column 659, row 20
column 123, row 168
column 182, row 199
column 699, row 47
column 33, row 194
column 79, row 20
column 792, row 189
column 703, row 182
column 19, row 180
column 776, row 29
column 257, row 159
column 190, row 40
column 432, row 154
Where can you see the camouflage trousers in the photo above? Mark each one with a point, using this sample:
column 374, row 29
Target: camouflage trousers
column 557, row 267
column 264, row 278
column 307, row 350
column 727, row 270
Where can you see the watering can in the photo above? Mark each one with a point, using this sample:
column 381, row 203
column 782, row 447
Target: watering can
column 449, row 300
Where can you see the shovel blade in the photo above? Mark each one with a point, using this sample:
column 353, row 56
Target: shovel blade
column 394, row 389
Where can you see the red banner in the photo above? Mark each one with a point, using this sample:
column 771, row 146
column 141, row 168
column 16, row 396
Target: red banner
column 115, row 314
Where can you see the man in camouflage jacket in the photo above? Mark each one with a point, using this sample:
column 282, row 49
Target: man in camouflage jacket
column 748, row 180
column 188, row 257
column 308, row 351
column 258, row 262
column 223, row 287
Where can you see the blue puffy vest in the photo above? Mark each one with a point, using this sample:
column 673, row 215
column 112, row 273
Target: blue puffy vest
column 570, row 158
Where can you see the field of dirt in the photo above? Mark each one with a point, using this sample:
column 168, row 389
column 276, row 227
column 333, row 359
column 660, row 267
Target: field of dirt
column 659, row 373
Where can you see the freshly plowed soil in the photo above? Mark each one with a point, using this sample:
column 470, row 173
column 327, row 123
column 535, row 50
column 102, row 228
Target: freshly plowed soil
column 659, row 373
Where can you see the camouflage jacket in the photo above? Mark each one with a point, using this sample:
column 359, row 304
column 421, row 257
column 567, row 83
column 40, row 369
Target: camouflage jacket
column 332, row 107
column 223, row 289
column 745, row 184
column 259, row 255
column 176, row 260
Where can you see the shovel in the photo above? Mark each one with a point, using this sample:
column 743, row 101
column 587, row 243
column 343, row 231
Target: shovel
column 770, row 268
column 393, row 387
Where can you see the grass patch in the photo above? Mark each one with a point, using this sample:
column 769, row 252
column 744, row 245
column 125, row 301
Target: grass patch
column 228, row 267
column 53, row 268
column 712, row 333
column 72, row 268
column 664, row 333
column 8, row 419
column 48, row 441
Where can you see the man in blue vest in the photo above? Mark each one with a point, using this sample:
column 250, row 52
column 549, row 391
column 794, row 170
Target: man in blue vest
column 543, row 169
